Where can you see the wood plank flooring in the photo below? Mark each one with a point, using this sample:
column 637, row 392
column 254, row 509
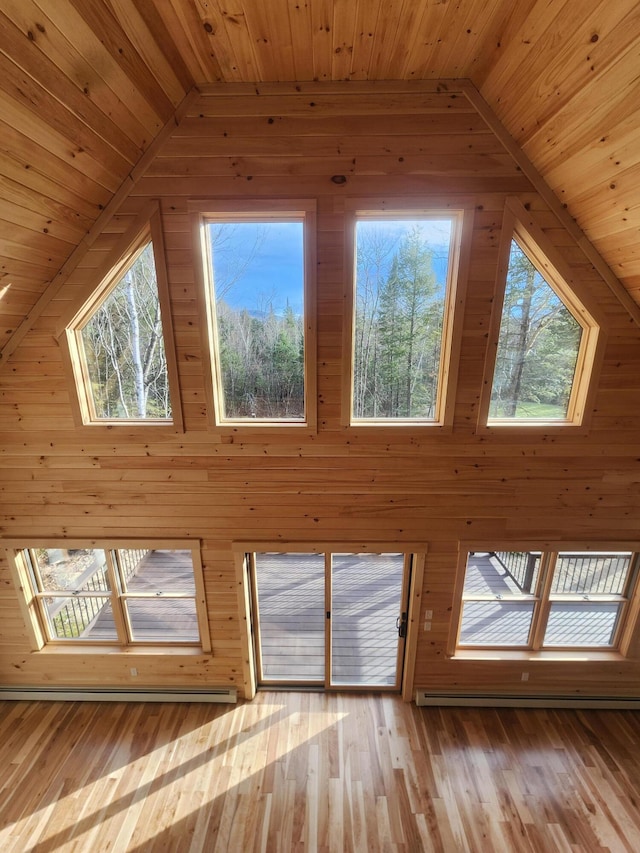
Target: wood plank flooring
column 316, row 772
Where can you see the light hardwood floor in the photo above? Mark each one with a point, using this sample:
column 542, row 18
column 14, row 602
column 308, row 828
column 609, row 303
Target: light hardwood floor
column 313, row 771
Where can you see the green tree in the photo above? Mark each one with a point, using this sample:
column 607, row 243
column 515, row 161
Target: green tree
column 410, row 320
column 537, row 347
column 375, row 248
column 124, row 347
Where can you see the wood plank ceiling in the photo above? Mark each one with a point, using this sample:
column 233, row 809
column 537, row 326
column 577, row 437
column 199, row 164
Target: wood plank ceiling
column 87, row 85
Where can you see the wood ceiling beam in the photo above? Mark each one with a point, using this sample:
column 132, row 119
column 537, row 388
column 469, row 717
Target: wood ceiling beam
column 57, row 282
column 566, row 219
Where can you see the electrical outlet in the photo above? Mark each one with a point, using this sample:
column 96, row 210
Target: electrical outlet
column 427, row 626
column 428, row 614
column 133, row 671
column 525, row 676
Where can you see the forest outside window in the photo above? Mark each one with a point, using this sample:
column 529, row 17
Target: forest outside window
column 256, row 281
column 107, row 596
column 405, row 270
column 120, row 342
column 123, row 349
column 544, row 338
column 543, row 600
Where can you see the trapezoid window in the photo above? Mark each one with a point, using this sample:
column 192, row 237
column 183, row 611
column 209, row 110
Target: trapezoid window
column 404, row 266
column 122, row 367
column 545, row 343
column 256, row 278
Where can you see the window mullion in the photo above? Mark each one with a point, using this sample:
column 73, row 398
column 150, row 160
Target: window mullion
column 27, row 565
column 119, row 616
column 543, row 604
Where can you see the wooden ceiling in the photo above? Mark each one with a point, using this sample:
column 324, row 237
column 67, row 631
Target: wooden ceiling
column 86, row 86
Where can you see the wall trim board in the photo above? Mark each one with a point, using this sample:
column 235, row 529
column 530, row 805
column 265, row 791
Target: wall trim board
column 73, row 694
column 425, row 698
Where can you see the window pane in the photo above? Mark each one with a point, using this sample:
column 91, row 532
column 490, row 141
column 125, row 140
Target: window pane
column 163, row 620
column 157, row 571
column 124, row 348
column 80, row 617
column 366, row 591
column 496, row 623
column 501, row 573
column 80, row 570
column 292, row 616
column 258, row 283
column 537, row 349
column 401, row 270
column 602, row 573
column 582, row 624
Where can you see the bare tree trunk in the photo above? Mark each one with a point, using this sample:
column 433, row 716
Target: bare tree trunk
column 522, row 345
column 136, row 356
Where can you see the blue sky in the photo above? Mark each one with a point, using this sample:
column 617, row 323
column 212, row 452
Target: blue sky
column 436, row 233
column 257, row 265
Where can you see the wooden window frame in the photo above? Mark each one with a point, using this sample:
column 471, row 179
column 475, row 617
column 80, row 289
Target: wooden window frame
column 23, row 564
column 460, row 211
column 543, row 598
column 519, row 225
column 244, row 554
column 147, row 228
column 254, row 210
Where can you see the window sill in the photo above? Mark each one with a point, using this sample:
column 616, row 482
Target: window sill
column 130, row 651
column 559, row 656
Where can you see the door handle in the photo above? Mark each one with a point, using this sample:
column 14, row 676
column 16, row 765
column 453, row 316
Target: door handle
column 401, row 625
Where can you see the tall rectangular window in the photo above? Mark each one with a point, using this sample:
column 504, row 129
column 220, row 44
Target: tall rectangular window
column 256, row 272
column 404, row 265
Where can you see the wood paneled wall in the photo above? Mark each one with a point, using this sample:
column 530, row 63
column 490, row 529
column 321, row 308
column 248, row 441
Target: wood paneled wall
column 396, row 485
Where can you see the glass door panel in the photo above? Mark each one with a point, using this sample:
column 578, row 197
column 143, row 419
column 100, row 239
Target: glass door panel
column 366, row 616
column 290, row 590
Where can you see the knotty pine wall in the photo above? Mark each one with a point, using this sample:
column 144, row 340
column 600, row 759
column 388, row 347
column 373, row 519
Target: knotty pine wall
column 420, row 485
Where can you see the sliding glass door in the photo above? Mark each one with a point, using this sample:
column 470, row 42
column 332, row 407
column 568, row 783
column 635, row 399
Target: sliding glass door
column 333, row 620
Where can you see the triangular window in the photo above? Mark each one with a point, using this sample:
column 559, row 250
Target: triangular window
column 545, row 345
column 117, row 342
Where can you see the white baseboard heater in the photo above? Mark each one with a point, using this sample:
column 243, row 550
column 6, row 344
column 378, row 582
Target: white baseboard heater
column 425, row 698
column 80, row 694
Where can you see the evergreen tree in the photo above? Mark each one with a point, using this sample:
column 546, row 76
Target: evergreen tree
column 537, row 347
column 410, row 326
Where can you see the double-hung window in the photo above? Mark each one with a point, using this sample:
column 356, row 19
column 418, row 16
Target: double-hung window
column 545, row 600
column 114, row 596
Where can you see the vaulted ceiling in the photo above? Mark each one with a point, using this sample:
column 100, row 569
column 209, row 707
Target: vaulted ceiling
column 86, row 86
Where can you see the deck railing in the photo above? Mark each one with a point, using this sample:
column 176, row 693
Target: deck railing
column 603, row 573
column 77, row 613
column 591, row 573
column 521, row 566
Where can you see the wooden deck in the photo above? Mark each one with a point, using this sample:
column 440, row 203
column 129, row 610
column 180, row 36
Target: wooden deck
column 158, row 619
column 365, row 604
column 316, row 772
column 506, row 623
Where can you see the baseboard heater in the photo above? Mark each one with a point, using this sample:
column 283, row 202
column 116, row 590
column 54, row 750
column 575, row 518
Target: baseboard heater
column 79, row 694
column 475, row 700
